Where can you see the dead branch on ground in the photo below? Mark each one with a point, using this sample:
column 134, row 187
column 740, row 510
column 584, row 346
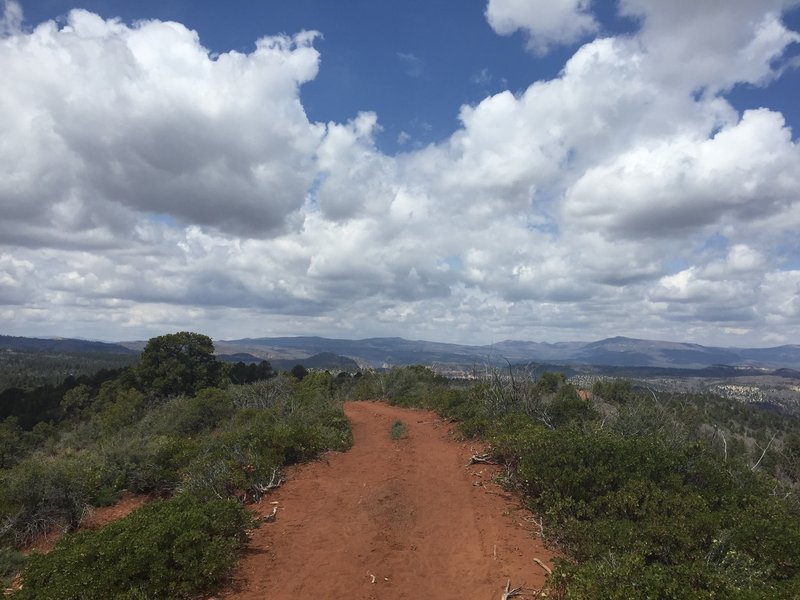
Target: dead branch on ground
column 275, row 481
column 483, row 459
column 511, row 593
column 544, row 566
column 271, row 516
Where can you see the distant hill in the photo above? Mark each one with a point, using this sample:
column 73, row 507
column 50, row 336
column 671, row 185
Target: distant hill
column 60, row 345
column 328, row 353
column 612, row 352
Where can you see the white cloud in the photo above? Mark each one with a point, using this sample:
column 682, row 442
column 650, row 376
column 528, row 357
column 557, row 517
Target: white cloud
column 159, row 188
column 712, row 44
column 11, row 21
column 106, row 123
column 546, row 22
column 674, row 186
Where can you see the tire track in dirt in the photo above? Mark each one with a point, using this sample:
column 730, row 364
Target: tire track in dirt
column 408, row 512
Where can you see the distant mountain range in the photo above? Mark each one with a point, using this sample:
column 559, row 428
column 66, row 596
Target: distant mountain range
column 60, row 346
column 616, row 352
column 385, row 352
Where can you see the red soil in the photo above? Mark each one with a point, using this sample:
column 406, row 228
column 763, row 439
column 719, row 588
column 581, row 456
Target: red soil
column 391, row 520
column 95, row 519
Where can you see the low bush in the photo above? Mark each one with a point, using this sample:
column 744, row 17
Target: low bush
column 398, row 430
column 167, row 549
column 413, row 386
column 40, row 494
column 641, row 519
column 11, row 563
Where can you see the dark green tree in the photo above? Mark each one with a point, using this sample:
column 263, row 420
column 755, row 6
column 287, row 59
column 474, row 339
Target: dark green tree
column 617, row 391
column 299, row 371
column 179, row 363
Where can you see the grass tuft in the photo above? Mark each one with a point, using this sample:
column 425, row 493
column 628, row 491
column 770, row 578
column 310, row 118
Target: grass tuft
column 398, row 430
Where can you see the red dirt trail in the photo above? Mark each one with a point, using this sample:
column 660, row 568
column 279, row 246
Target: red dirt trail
column 408, row 512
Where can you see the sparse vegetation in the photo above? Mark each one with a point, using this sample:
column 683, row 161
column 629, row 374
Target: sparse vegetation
column 173, row 548
column 638, row 489
column 648, row 494
column 398, row 430
column 181, row 432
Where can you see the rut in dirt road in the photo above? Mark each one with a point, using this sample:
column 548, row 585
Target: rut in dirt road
column 391, row 520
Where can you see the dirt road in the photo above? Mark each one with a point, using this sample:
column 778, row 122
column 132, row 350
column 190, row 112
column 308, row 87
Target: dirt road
column 391, row 520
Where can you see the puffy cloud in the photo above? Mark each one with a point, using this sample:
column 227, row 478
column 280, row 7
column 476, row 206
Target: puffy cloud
column 160, row 187
column 546, row 22
column 746, row 171
column 107, row 122
column 713, row 44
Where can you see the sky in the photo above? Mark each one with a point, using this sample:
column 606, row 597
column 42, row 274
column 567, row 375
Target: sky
column 461, row 170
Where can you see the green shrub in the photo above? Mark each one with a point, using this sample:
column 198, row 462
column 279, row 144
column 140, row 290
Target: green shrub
column 617, row 391
column 642, row 519
column 276, row 391
column 11, row 563
column 413, row 386
column 146, row 463
column 166, row 549
column 398, row 430
column 190, row 415
column 366, row 386
column 42, row 493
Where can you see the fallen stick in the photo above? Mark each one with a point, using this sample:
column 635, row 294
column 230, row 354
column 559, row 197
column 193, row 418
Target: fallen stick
column 275, row 482
column 511, row 593
column 271, row 516
column 544, row 566
column 483, row 459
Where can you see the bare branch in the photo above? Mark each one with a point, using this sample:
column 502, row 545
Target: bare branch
column 275, row 482
column 484, row 459
column 544, row 566
column 755, row 466
column 509, row 592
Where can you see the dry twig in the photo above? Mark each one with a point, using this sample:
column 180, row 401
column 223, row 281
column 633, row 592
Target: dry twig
column 275, row 482
column 483, row 459
column 271, row 516
column 544, row 566
column 511, row 593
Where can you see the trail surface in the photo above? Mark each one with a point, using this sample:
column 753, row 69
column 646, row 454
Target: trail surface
column 391, row 520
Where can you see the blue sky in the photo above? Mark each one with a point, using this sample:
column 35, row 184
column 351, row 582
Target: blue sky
column 452, row 170
column 413, row 62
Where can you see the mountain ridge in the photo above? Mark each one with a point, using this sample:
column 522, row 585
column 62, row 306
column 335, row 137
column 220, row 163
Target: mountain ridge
column 376, row 352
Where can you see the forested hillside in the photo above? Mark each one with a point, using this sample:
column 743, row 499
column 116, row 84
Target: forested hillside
column 27, row 370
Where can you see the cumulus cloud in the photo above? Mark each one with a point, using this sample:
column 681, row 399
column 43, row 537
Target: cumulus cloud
column 108, row 122
column 673, row 186
column 546, row 22
column 146, row 186
column 713, row 44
